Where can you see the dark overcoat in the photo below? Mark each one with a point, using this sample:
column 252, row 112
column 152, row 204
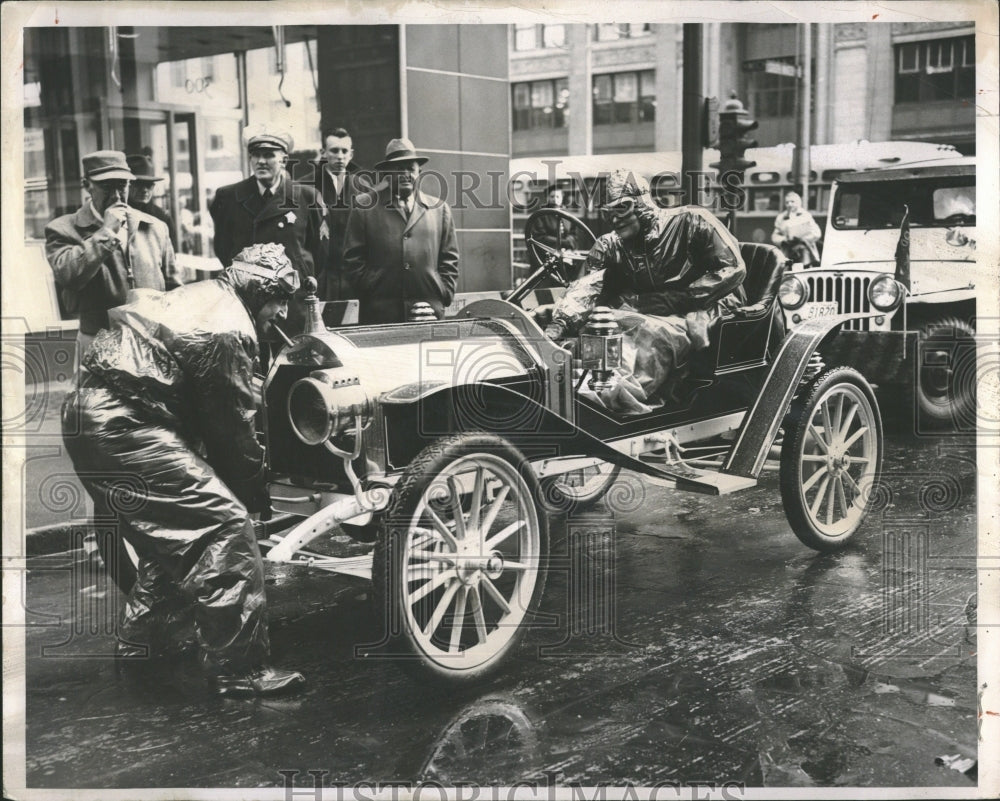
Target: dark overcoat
column 394, row 260
column 333, row 283
column 291, row 218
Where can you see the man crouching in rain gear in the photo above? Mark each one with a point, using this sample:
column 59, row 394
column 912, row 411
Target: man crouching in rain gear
column 669, row 275
column 161, row 431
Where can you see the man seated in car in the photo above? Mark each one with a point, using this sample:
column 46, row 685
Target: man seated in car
column 669, row 274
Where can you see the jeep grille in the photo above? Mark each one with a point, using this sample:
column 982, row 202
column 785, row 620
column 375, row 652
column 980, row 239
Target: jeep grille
column 850, row 293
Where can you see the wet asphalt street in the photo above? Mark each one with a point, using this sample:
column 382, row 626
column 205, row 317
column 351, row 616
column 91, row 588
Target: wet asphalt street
column 685, row 639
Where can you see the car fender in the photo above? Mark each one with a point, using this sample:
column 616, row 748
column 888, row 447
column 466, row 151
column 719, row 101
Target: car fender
column 761, row 424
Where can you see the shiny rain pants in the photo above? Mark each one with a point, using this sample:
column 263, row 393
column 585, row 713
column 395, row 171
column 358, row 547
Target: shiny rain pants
column 195, row 542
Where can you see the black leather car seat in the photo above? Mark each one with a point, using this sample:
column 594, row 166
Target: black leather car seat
column 766, row 266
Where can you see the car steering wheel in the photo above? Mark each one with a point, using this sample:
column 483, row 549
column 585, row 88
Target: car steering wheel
column 559, row 261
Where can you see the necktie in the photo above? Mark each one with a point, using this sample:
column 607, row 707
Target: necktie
column 267, row 195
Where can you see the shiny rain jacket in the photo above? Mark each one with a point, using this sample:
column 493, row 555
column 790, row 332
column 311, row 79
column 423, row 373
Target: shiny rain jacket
column 161, row 431
column 668, row 296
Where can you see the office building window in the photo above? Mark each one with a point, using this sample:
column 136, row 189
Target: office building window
column 525, row 37
column 773, row 95
column 541, row 104
column 533, row 37
column 625, row 97
column 937, row 69
column 553, row 36
column 612, row 31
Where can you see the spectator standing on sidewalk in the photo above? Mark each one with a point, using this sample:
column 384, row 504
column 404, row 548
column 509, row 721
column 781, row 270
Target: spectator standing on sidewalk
column 339, row 181
column 796, row 232
column 140, row 195
column 401, row 246
column 104, row 251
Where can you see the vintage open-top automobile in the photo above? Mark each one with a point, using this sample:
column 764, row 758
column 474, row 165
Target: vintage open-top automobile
column 450, row 442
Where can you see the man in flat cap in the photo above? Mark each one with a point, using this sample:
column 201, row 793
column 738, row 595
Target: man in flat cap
column 400, row 247
column 104, row 250
column 269, row 207
column 140, row 193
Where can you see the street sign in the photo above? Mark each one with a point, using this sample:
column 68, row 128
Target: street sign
column 772, row 66
column 710, row 122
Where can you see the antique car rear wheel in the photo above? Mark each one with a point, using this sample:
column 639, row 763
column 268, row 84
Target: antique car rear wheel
column 581, row 489
column 460, row 560
column 830, row 458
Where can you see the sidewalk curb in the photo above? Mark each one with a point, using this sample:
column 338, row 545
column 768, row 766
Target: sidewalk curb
column 51, row 539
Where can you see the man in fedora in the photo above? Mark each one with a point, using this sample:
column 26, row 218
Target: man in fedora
column 268, row 207
column 105, row 250
column 400, row 246
column 140, row 193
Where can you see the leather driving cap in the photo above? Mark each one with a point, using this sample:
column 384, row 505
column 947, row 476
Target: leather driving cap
column 107, row 165
column 142, row 168
column 400, row 150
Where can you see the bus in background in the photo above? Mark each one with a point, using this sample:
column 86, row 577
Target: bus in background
column 582, row 179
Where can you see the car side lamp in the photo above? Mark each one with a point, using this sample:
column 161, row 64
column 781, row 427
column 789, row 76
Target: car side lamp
column 601, row 348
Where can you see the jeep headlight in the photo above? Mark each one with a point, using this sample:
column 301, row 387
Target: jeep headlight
column 325, row 405
column 792, row 292
column 885, row 293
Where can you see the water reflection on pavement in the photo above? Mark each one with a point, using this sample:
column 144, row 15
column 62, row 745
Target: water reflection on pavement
column 701, row 642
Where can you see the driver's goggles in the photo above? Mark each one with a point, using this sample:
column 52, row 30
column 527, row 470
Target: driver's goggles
column 286, row 276
column 618, row 209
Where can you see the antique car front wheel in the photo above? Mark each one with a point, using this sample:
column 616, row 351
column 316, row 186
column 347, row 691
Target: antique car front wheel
column 830, row 458
column 460, row 560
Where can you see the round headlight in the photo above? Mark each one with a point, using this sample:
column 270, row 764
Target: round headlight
column 792, row 292
column 318, row 410
column 885, row 293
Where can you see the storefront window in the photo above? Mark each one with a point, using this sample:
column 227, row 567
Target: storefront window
column 84, row 90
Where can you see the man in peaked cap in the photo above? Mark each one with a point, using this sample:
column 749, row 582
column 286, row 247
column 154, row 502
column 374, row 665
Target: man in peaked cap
column 269, row 207
column 140, row 193
column 400, row 247
column 104, row 250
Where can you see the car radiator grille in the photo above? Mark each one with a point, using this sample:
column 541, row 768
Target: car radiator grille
column 850, row 293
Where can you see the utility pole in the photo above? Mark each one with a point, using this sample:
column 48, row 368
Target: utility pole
column 691, row 110
column 804, row 143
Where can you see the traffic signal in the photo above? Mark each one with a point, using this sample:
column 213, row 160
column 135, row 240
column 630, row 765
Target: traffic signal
column 734, row 125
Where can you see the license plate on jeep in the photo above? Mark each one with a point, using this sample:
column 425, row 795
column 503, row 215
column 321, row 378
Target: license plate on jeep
column 814, row 310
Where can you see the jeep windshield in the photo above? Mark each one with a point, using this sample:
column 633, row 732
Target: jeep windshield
column 938, row 202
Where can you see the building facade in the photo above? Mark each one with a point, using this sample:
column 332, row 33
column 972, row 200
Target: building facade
column 616, row 88
column 183, row 96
